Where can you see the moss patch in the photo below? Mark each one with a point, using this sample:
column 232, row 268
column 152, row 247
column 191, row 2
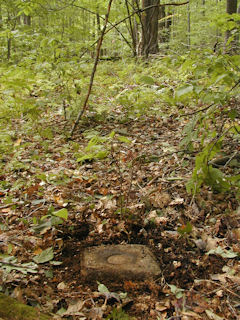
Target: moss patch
column 14, row 310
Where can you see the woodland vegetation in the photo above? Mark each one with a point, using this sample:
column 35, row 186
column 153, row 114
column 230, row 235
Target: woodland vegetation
column 120, row 123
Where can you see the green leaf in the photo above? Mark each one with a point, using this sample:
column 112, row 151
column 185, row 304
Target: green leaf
column 233, row 114
column 216, row 179
column 112, row 134
column 63, row 213
column 101, row 155
column 102, row 288
column 55, row 221
column 185, row 228
column 124, row 139
column 44, row 256
column 147, row 80
column 89, row 134
column 184, row 90
column 10, row 263
column 61, row 311
column 55, row 263
column 235, row 179
column 176, row 291
column 85, row 157
column 42, row 226
column 123, row 295
column 220, row 77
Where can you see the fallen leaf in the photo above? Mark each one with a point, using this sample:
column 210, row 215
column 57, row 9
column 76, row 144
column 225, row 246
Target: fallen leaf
column 191, row 314
column 17, row 142
column 61, row 286
column 211, row 243
column 160, row 200
column 95, row 314
column 37, row 251
column 176, row 201
column 223, row 252
column 44, row 256
column 74, row 308
column 213, row 316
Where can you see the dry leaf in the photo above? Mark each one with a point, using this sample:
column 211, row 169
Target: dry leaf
column 17, row 142
column 95, row 314
column 191, row 314
column 211, row 243
column 176, row 201
column 212, row 316
column 74, row 308
column 37, row 251
column 160, row 200
column 61, row 286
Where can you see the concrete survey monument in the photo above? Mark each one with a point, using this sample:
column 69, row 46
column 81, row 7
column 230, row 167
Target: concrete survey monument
column 123, row 261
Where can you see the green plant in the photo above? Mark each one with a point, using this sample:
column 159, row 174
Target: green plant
column 10, row 263
column 178, row 292
column 185, row 229
column 98, row 146
column 213, row 84
column 140, row 100
column 51, row 219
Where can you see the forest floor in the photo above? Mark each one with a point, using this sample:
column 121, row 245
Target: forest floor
column 136, row 195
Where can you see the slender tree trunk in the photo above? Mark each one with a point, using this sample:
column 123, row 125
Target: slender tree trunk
column 9, row 48
column 0, row 15
column 189, row 25
column 98, row 31
column 164, row 25
column 230, row 9
column 150, row 27
column 63, row 28
column 135, row 6
column 132, row 31
column 98, row 24
column 237, row 40
column 203, row 7
column 161, row 25
column 85, row 104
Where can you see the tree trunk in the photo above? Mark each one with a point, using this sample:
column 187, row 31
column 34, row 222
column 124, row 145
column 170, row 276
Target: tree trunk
column 189, row 25
column 230, row 9
column 132, row 30
column 231, row 6
column 27, row 20
column 238, row 42
column 150, row 27
column 203, row 7
column 9, row 47
column 98, row 25
column 164, row 25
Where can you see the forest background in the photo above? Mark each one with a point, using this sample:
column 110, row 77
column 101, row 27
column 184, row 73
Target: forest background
column 113, row 112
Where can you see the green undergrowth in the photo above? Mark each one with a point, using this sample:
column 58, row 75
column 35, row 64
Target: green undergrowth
column 201, row 88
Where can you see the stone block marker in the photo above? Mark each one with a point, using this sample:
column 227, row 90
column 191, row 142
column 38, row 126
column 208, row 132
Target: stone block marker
column 118, row 262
